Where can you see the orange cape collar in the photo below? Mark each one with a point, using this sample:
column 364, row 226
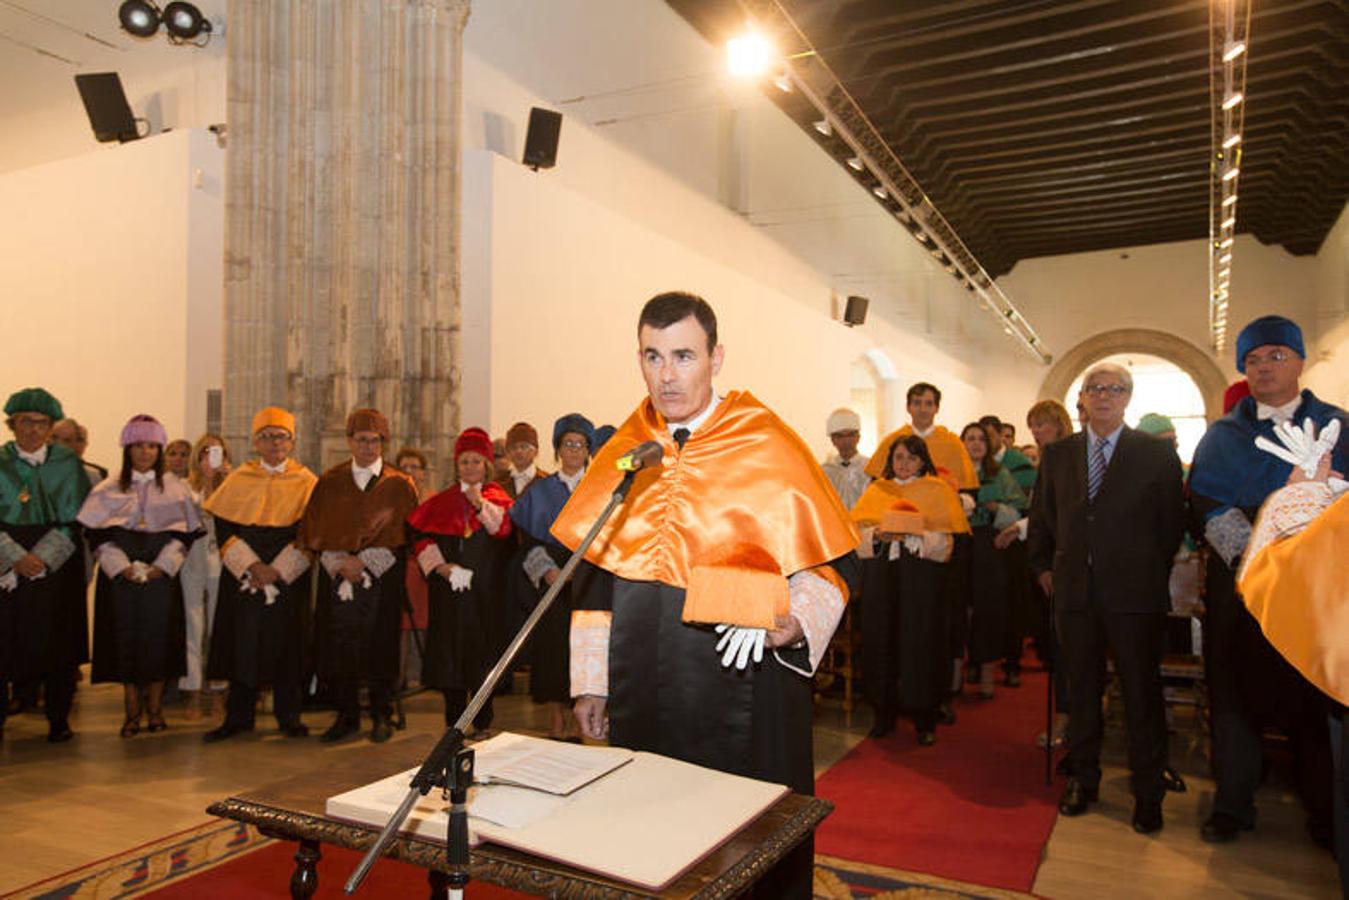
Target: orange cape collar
column 743, row 506
column 253, row 496
column 947, row 453
column 936, row 500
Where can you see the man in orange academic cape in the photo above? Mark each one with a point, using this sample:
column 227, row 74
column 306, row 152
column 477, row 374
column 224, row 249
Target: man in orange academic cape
column 948, row 451
column 732, row 562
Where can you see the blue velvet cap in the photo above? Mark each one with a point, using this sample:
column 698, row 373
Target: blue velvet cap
column 1269, row 330
column 577, row 423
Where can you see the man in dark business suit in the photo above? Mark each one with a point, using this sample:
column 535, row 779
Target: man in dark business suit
column 1106, row 521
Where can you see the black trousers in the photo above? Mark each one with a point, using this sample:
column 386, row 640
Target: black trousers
column 1249, row 686
column 58, row 691
column 1339, row 795
column 1136, row 639
column 243, row 700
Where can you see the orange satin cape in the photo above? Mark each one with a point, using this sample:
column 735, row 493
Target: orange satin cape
column 933, row 497
column 729, row 518
column 1298, row 590
column 250, row 495
column 947, row 450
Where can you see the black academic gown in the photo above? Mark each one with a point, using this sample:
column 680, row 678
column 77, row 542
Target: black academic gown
column 459, row 650
column 139, row 633
column 905, row 626
column 44, row 623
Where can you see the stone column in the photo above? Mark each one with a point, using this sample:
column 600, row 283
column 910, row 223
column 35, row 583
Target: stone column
column 342, row 219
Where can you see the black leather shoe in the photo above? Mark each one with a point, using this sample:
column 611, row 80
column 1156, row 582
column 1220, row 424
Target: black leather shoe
column 343, row 727
column 1172, row 780
column 927, row 738
column 228, row 730
column 1147, row 816
column 382, row 731
column 59, row 734
column 1076, row 798
column 1222, row 829
column 295, row 730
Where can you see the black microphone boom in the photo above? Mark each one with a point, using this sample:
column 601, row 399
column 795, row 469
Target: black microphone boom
column 640, row 457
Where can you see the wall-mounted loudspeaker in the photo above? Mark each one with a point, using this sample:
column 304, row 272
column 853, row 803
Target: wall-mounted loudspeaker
column 105, row 102
column 541, row 139
column 855, row 313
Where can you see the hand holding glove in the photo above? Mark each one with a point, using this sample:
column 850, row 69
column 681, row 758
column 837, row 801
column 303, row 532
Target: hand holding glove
column 461, row 579
column 738, row 643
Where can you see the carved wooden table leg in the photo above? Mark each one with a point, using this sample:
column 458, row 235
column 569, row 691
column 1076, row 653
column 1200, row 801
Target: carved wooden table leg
column 304, row 881
column 440, row 885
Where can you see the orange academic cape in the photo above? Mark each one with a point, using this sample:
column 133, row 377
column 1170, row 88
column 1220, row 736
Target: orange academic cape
column 743, row 506
column 947, row 450
column 1298, row 590
column 253, row 496
column 933, row 497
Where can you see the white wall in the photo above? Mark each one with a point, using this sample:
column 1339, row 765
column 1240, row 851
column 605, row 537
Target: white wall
column 1327, row 372
column 111, row 274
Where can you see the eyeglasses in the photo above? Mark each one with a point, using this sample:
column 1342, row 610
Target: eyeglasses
column 23, row 421
column 273, row 437
column 1273, row 356
column 574, row 445
column 367, row 441
column 1101, row 390
column 521, row 445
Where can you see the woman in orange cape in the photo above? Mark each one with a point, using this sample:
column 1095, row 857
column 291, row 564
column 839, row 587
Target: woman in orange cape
column 907, row 519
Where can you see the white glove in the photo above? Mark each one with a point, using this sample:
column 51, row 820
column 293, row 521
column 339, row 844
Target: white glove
column 140, row 572
column 346, row 592
column 461, row 579
column 738, row 643
column 914, row 544
column 1301, row 446
column 269, row 593
column 9, row 581
column 967, row 503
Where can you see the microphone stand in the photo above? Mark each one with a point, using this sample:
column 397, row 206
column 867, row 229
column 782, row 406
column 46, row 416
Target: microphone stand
column 450, row 764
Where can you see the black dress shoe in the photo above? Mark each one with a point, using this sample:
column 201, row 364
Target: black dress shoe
column 59, row 734
column 228, row 730
column 1222, row 829
column 382, row 731
column 1076, row 798
column 295, row 730
column 1147, row 816
column 927, row 738
column 1172, row 780
column 343, row 727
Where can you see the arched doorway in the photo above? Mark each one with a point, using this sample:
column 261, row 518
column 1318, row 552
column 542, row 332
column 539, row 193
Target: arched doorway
column 1160, row 386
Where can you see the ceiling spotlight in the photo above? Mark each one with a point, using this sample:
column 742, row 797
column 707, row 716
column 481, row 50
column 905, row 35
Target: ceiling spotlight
column 1231, row 173
column 747, row 56
column 1225, row 243
column 823, row 127
column 855, row 163
column 1229, row 199
column 139, row 17
column 1232, row 141
column 1229, row 221
column 879, row 192
column 783, row 83
column 1234, row 50
column 183, row 21
column 1232, row 100
column 1224, row 259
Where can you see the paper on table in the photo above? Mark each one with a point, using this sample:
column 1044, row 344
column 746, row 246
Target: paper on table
column 544, row 765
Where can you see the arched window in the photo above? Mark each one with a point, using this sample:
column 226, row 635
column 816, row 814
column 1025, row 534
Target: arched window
column 865, row 399
column 1162, row 387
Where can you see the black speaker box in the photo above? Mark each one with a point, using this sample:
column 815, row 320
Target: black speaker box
column 541, row 139
column 105, row 102
column 855, row 313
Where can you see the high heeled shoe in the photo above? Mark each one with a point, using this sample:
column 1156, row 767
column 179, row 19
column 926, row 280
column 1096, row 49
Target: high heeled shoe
column 131, row 727
column 155, row 722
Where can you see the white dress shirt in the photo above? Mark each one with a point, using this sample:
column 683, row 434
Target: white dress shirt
column 363, row 475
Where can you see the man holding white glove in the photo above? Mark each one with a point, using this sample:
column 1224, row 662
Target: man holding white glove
column 1249, row 684
column 735, row 541
column 354, row 521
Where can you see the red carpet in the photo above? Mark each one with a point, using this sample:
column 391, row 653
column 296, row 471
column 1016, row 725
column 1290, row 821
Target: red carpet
column 266, row 873
column 974, row 807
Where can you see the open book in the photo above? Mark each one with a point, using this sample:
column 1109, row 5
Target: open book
column 645, row 822
column 544, row 765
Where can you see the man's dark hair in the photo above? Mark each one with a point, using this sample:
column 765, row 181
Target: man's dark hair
column 991, row 421
column 923, row 387
column 663, row 310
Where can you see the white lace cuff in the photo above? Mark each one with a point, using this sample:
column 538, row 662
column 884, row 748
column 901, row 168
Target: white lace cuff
column 332, row 560
column 1287, row 511
column 291, row 563
column 491, row 516
column 11, row 551
column 538, row 564
column 936, row 546
column 430, row 558
column 1228, row 534
column 54, row 548
column 111, row 560
column 590, row 653
column 237, row 556
column 170, row 558
column 818, row 606
column 377, row 560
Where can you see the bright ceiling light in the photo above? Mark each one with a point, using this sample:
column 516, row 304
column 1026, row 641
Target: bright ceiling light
column 879, row 192
column 1231, row 173
column 1232, row 141
column 823, row 127
column 139, row 18
column 783, row 83
column 1225, row 243
column 1229, row 199
column 1229, row 221
column 184, row 21
column 749, row 55
column 1232, row 100
column 1224, row 259
column 855, row 163
column 1234, row 50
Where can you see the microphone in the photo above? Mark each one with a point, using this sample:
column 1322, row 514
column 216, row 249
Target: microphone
column 640, row 457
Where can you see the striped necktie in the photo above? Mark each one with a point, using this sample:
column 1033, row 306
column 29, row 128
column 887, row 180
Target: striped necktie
column 1096, row 468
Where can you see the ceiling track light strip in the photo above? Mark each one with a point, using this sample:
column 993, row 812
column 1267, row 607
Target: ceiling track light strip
column 1229, row 30
column 838, row 117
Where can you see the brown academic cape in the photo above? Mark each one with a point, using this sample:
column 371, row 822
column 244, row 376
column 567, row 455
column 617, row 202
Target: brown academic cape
column 947, row 451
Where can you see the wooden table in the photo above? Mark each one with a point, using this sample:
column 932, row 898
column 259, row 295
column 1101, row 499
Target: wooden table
column 293, row 810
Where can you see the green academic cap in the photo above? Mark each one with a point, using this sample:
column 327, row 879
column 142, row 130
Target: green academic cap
column 34, row 399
